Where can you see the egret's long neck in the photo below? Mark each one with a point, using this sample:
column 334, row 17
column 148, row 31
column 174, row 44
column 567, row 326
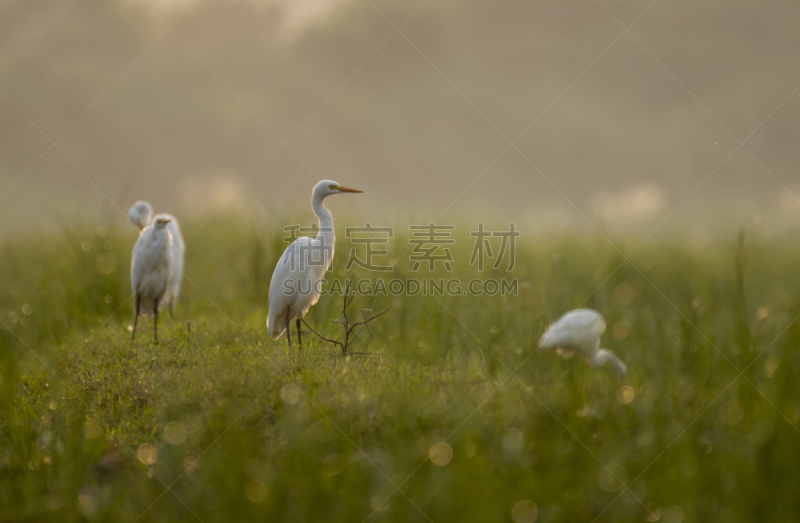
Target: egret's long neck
column 326, row 232
column 604, row 356
column 601, row 357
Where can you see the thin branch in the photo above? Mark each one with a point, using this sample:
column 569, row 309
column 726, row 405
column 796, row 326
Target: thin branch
column 371, row 309
column 373, row 317
column 345, row 343
column 315, row 332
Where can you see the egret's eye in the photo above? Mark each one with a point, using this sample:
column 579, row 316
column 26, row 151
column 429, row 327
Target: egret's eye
column 332, row 187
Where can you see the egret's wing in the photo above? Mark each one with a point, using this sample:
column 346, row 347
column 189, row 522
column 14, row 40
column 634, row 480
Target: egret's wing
column 290, row 267
column 137, row 261
column 178, row 246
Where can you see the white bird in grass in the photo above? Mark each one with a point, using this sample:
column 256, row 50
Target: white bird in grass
column 141, row 215
column 296, row 282
column 150, row 270
column 579, row 331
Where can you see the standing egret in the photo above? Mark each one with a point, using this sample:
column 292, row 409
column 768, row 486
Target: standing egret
column 151, row 265
column 297, row 281
column 141, row 215
column 579, row 331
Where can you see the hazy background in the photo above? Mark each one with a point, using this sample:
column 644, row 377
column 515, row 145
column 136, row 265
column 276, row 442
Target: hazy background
column 419, row 122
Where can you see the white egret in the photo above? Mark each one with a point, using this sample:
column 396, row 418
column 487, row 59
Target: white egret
column 296, row 282
column 579, row 331
column 151, row 265
column 141, row 215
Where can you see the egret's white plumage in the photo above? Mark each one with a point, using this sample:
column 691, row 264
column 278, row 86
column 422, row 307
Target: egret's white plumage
column 151, row 264
column 296, row 282
column 579, row 331
column 141, row 215
column 176, row 274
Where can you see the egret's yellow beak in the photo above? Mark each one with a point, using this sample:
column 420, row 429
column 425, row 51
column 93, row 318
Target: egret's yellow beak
column 347, row 189
column 139, row 223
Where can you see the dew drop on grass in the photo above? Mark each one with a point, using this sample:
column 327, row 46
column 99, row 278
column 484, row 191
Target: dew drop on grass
column 612, row 477
column 106, row 263
column 332, row 464
column 732, row 413
column 513, row 442
column 524, row 511
column 52, row 405
column 86, row 245
column 189, row 464
column 771, row 365
column 673, row 514
column 290, row 394
column 654, row 512
column 86, row 503
column 469, row 449
column 256, row 491
column 441, row 454
column 175, row 433
column 620, row 330
column 109, row 299
column 625, row 394
column 147, row 454
column 645, row 437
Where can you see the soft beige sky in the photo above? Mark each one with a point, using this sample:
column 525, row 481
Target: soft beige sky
column 609, row 129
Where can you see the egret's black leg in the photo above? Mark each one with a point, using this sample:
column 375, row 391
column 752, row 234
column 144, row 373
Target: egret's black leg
column 289, row 330
column 135, row 318
column 155, row 322
column 171, row 314
column 299, row 339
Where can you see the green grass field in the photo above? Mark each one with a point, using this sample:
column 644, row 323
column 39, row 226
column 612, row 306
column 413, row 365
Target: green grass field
column 461, row 419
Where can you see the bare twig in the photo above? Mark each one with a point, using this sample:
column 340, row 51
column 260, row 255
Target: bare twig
column 317, row 333
column 349, row 337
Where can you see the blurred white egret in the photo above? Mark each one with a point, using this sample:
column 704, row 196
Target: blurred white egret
column 296, row 282
column 579, row 331
column 141, row 215
column 150, row 270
